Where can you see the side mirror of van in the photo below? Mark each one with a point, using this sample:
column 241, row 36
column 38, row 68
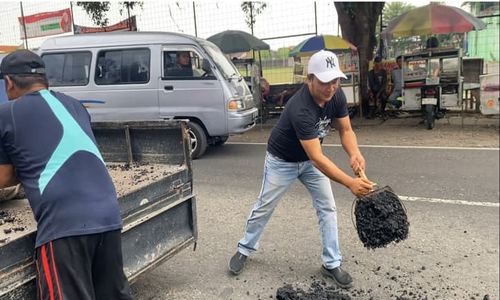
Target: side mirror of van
column 206, row 66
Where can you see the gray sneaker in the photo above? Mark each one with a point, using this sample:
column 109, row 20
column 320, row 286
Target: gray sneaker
column 237, row 263
column 341, row 277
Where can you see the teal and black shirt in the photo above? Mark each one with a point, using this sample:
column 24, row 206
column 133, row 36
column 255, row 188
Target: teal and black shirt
column 48, row 139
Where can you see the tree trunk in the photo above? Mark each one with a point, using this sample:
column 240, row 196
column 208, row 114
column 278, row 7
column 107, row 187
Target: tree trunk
column 358, row 21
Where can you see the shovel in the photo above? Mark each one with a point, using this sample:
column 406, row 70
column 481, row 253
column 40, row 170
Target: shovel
column 379, row 217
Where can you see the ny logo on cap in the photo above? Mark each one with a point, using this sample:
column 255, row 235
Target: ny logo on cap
column 330, row 62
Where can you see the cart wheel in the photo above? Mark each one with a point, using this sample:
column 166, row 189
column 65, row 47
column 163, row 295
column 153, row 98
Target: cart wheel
column 430, row 117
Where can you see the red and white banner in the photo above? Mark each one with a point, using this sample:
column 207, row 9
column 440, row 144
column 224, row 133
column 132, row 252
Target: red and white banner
column 46, row 23
column 128, row 24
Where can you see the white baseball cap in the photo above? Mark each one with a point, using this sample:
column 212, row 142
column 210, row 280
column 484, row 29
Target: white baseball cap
column 325, row 66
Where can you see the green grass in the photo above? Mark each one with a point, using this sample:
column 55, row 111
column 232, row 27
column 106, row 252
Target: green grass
column 275, row 75
column 278, row 75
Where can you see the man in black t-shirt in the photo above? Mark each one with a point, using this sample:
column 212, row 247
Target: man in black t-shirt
column 377, row 82
column 294, row 152
column 47, row 144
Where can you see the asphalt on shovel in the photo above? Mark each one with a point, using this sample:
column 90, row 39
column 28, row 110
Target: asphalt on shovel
column 380, row 217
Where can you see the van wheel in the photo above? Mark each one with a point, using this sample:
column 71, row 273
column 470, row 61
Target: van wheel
column 197, row 139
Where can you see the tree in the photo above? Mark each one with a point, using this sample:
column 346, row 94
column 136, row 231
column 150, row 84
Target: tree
column 358, row 21
column 282, row 53
column 98, row 10
column 392, row 10
column 251, row 10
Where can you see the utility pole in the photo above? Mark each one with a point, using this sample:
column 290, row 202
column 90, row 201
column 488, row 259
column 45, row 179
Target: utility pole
column 24, row 26
column 194, row 15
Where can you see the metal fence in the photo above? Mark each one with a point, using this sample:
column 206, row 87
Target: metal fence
column 282, row 24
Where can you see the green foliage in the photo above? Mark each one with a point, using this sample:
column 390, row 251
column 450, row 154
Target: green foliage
column 282, row 52
column 251, row 10
column 98, row 10
column 400, row 45
column 393, row 9
column 129, row 5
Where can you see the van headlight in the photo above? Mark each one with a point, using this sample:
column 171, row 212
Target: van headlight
column 236, row 104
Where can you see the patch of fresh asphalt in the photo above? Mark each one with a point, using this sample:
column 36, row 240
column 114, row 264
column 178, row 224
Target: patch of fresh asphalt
column 451, row 253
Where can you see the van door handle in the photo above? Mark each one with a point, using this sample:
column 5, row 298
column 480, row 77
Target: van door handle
column 169, row 87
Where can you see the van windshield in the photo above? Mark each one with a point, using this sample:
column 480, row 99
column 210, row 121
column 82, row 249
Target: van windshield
column 226, row 67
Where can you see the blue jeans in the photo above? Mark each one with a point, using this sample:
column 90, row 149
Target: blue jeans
column 278, row 176
column 393, row 99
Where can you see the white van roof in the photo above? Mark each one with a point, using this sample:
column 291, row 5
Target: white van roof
column 107, row 39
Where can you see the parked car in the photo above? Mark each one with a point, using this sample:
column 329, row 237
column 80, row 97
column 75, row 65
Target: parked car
column 134, row 76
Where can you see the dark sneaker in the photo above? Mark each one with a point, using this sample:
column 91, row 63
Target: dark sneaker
column 341, row 277
column 237, row 263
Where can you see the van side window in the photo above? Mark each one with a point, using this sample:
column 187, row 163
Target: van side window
column 183, row 64
column 129, row 66
column 70, row 68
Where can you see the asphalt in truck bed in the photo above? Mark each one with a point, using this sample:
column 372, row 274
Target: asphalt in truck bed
column 16, row 218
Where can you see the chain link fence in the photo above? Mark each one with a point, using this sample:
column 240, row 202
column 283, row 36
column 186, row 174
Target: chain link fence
column 281, row 24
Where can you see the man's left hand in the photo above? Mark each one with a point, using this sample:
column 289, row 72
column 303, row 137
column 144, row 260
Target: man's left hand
column 357, row 162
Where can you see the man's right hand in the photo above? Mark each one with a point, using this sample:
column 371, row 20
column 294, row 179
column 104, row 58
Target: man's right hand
column 360, row 186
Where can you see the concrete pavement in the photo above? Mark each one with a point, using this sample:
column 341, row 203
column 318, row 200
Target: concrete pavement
column 453, row 119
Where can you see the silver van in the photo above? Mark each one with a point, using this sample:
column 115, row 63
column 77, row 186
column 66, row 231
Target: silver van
column 141, row 76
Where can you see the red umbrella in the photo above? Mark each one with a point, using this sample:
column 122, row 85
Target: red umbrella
column 432, row 19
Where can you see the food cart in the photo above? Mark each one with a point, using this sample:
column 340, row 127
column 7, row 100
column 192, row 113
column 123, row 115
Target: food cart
column 432, row 82
column 490, row 94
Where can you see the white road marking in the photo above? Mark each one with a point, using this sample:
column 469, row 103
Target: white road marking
column 411, row 198
column 447, row 201
column 424, row 147
column 385, row 146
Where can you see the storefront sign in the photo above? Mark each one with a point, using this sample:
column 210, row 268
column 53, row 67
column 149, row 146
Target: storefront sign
column 46, row 23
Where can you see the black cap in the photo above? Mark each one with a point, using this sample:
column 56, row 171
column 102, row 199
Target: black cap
column 22, row 62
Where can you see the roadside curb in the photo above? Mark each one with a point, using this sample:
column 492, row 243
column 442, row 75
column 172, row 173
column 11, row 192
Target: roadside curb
column 414, row 121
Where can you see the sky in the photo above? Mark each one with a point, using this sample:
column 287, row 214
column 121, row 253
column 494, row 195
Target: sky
column 279, row 18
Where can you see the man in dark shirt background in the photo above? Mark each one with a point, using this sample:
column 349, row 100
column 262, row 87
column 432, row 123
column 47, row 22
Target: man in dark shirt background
column 46, row 143
column 377, row 83
column 294, row 152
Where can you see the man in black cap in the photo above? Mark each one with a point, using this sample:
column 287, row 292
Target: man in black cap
column 46, row 143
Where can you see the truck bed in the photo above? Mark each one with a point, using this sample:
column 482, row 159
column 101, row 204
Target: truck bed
column 150, row 165
column 16, row 218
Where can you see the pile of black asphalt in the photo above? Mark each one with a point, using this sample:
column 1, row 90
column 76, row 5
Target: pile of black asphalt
column 380, row 219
